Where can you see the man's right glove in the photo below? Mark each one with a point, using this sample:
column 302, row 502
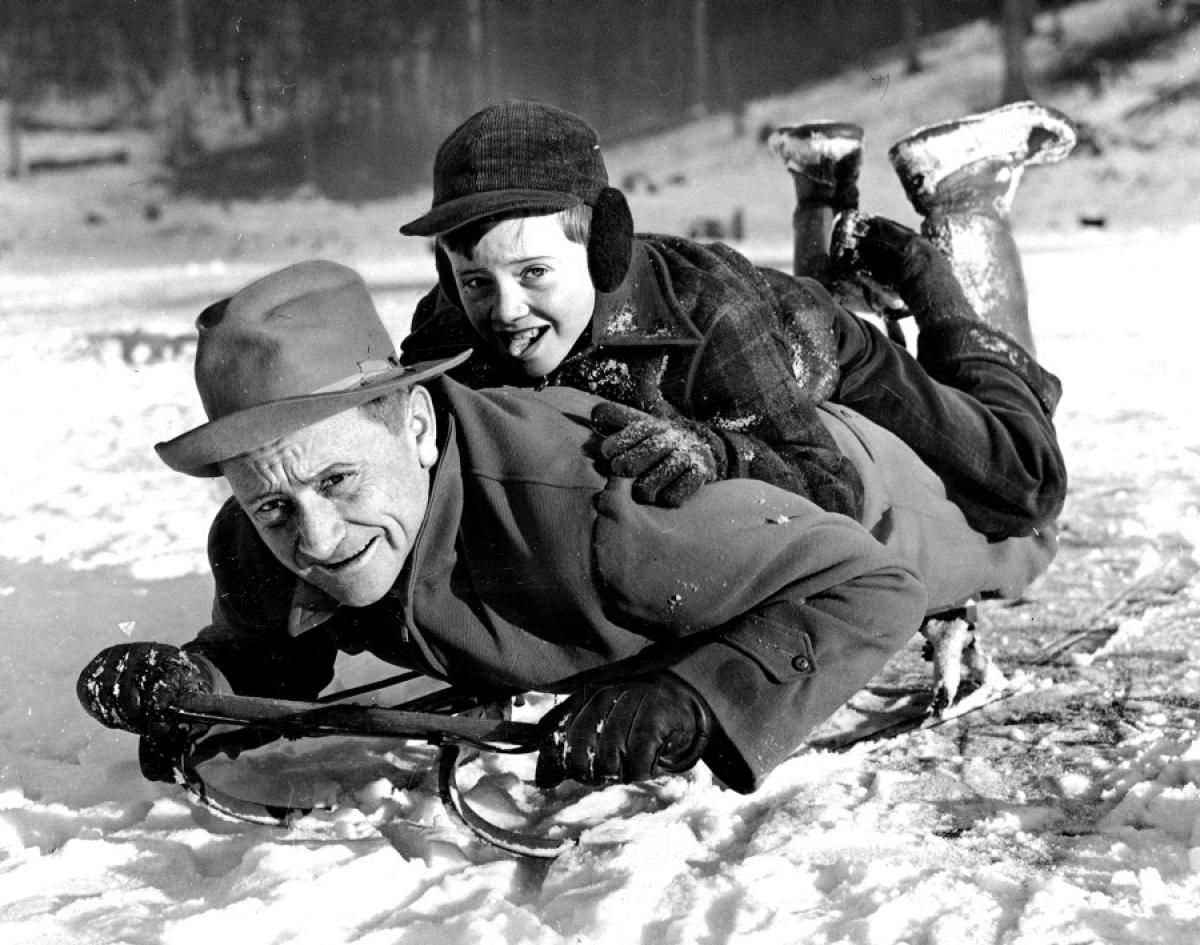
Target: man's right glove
column 132, row 686
column 625, row 732
column 160, row 756
column 668, row 460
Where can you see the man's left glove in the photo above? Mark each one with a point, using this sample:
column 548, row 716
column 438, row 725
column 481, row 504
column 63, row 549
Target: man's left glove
column 132, row 686
column 625, row 732
column 668, row 460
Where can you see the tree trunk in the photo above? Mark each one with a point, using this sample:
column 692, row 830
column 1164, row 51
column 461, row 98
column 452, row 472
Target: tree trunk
column 731, row 97
column 12, row 79
column 424, row 95
column 1014, row 29
column 475, row 64
column 305, row 93
column 491, row 51
column 1058, row 31
column 180, row 123
column 592, row 100
column 910, row 13
column 10, row 129
column 243, row 66
column 700, row 54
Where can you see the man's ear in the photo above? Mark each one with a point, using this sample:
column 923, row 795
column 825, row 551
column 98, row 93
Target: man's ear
column 422, row 422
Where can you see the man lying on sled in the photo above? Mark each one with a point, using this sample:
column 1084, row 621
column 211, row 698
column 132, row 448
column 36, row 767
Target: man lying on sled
column 469, row 534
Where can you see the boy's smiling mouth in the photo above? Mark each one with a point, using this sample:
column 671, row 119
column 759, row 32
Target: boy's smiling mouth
column 517, row 343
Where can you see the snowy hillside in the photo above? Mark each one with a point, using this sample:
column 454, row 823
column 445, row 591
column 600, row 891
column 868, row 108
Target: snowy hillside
column 1068, row 812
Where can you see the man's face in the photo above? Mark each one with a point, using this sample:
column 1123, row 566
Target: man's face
column 527, row 291
column 340, row 503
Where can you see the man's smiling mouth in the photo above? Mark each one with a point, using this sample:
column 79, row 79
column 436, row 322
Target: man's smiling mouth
column 337, row 566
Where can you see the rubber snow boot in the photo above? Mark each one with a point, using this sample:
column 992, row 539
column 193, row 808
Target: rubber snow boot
column 824, row 158
column 978, row 160
column 962, row 176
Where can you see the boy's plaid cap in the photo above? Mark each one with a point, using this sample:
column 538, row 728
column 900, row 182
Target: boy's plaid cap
column 515, row 155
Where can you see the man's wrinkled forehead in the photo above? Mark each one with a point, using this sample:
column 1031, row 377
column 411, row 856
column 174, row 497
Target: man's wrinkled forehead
column 272, row 468
column 300, row 457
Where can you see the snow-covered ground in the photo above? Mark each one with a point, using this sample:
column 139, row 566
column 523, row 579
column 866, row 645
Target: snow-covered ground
column 1068, row 813
column 920, row 839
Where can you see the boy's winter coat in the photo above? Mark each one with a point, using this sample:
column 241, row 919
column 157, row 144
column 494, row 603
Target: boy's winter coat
column 697, row 331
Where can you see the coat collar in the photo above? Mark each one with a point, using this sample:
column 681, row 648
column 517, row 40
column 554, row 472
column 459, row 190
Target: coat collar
column 643, row 309
column 311, row 607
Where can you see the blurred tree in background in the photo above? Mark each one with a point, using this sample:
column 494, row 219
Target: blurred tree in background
column 352, row 97
column 1016, row 25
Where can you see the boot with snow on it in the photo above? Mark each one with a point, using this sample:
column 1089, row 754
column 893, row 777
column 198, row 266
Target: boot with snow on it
column 823, row 158
column 962, row 177
column 952, row 644
column 979, row 160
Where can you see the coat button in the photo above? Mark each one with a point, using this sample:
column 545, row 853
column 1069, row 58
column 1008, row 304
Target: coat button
column 801, row 664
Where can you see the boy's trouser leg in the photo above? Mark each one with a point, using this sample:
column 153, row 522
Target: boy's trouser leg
column 974, row 403
column 961, row 176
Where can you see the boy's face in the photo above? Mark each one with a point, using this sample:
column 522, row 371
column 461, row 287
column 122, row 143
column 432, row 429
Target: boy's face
column 527, row 291
column 340, row 503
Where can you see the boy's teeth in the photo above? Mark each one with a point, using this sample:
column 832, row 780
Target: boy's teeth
column 519, row 341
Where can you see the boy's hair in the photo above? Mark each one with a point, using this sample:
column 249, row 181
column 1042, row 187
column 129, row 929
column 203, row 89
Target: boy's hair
column 576, row 223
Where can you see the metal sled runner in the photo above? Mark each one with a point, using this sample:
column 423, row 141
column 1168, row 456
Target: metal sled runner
column 261, row 720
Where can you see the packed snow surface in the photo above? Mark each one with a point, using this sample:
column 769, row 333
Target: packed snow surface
column 923, row 838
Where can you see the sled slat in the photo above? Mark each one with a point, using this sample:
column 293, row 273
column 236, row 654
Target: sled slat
column 306, row 719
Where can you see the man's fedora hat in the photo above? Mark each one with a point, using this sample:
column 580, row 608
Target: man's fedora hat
column 287, row 351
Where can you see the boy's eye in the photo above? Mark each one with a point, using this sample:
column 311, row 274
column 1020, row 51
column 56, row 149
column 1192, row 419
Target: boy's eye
column 475, row 284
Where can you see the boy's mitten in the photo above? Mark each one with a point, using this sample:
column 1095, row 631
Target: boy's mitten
column 668, row 459
column 625, row 732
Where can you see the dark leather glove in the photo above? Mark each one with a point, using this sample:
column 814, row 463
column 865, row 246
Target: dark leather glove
column 668, row 460
column 625, row 732
column 885, row 250
column 131, row 686
column 898, row 258
column 160, row 755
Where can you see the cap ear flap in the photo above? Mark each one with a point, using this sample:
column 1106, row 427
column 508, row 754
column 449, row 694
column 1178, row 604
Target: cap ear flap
column 445, row 273
column 610, row 246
